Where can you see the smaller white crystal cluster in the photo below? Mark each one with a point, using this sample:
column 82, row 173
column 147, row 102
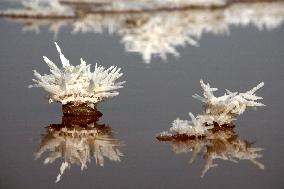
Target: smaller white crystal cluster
column 223, row 145
column 219, row 110
column 77, row 84
column 184, row 127
column 78, row 146
column 224, row 109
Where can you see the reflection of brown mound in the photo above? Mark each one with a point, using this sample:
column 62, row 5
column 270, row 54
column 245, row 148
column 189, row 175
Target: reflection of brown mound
column 221, row 144
column 78, row 140
column 100, row 128
column 86, row 7
column 184, row 137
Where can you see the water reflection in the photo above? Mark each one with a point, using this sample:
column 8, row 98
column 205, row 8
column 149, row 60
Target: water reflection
column 77, row 140
column 218, row 144
column 150, row 32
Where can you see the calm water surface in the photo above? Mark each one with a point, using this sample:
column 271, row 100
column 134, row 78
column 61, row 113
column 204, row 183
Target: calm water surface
column 154, row 95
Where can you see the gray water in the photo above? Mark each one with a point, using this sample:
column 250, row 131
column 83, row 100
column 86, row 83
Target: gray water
column 152, row 98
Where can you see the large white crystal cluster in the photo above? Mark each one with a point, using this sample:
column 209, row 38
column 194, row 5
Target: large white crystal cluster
column 78, row 146
column 219, row 111
column 77, row 84
column 223, row 145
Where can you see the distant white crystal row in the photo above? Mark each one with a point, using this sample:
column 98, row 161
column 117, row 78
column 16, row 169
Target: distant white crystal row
column 77, row 84
column 221, row 110
column 179, row 3
column 220, row 145
column 41, row 8
column 263, row 15
column 57, row 8
column 160, row 33
column 130, row 5
column 78, row 146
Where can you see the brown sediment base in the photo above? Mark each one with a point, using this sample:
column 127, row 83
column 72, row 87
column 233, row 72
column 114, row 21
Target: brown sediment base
column 92, row 7
column 184, row 137
column 179, row 137
column 83, row 8
column 80, row 117
column 80, row 110
column 223, row 127
column 36, row 16
column 80, row 120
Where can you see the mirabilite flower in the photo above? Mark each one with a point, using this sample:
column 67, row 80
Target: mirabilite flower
column 77, row 84
column 219, row 111
column 224, row 109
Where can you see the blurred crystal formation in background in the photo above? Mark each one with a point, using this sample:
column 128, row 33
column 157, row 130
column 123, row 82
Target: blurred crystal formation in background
column 77, row 140
column 40, row 9
column 142, row 5
column 150, row 28
column 218, row 144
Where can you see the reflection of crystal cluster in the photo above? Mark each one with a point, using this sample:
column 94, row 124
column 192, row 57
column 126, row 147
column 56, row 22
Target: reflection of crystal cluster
column 223, row 144
column 219, row 112
column 151, row 33
column 76, row 141
column 77, row 84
